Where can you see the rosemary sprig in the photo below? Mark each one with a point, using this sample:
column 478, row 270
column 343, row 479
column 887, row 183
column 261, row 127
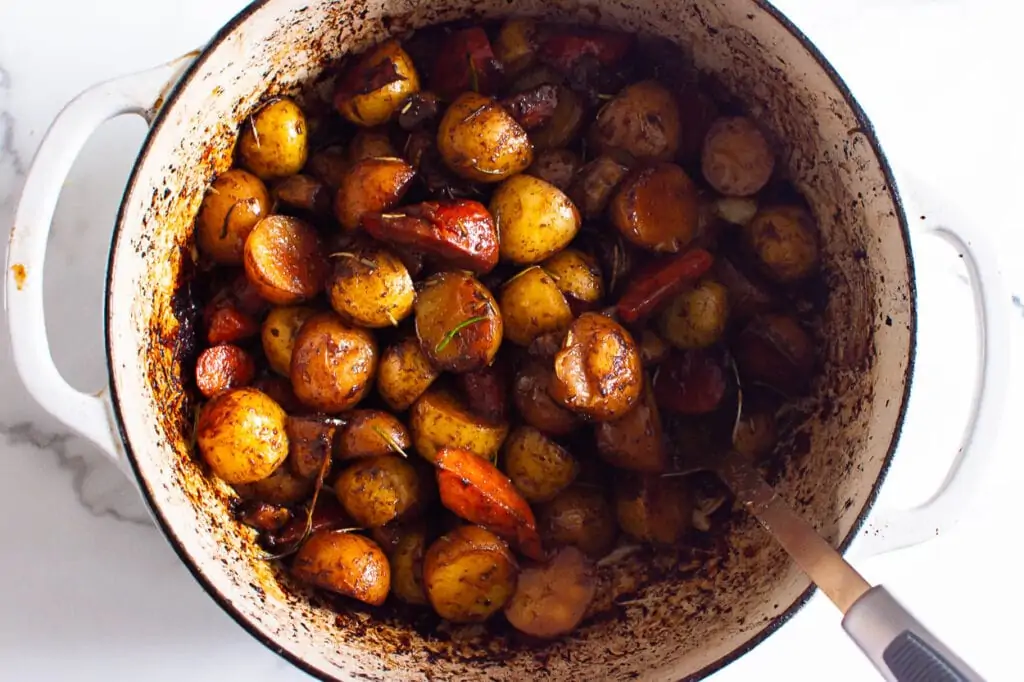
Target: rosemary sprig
column 321, row 475
column 255, row 133
column 450, row 336
column 392, row 443
column 474, row 77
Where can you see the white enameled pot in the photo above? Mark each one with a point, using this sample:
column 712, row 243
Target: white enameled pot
column 681, row 628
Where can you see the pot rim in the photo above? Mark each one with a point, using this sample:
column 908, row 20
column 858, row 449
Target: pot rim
column 865, row 127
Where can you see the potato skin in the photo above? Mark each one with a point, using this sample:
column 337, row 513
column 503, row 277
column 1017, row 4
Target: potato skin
column 556, row 167
column 370, row 186
column 480, row 141
column 438, row 419
column 241, row 435
column 635, row 440
column 284, row 260
column 532, row 305
column 361, row 435
column 346, row 563
column 370, row 144
column 535, row 404
column 274, row 141
column 736, row 159
column 697, row 318
column 223, row 367
column 551, row 598
column 405, row 372
column 374, row 86
column 535, row 219
column 579, row 516
column 537, row 466
column 310, row 440
column 641, row 121
column 654, row 509
column 282, row 487
column 785, row 241
column 235, row 202
column 379, row 490
column 577, row 275
column 280, row 328
column 407, row 566
column 444, row 307
column 332, row 363
column 656, row 208
column 469, row 575
column 594, row 185
column 371, row 287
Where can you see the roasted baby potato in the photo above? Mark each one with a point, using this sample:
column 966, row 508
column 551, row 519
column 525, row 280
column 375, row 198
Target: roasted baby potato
column 755, row 434
column 692, row 382
column 537, row 466
column 642, row 121
column 458, row 322
column 597, row 372
column 310, row 441
column 469, row 574
column 485, row 390
column 284, row 260
column 556, row 167
column 281, row 487
column 736, row 159
column 656, row 208
column 697, row 317
column 346, row 563
column 235, row 202
column 329, row 165
column 785, row 241
column 280, row 328
column 373, row 87
column 531, row 305
column 371, row 186
column 579, row 516
column 332, row 363
column 577, row 275
column 551, row 598
column 654, row 508
column 405, row 373
column 241, row 435
column 371, row 287
column 776, row 351
column 535, row 220
column 635, row 440
column 370, row 144
column 480, row 141
column 438, row 419
column 407, row 566
column 371, row 433
column 565, row 123
column 535, row 404
column 379, row 490
column 303, row 192
column 516, row 46
column 592, row 188
column 223, row 367
column 274, row 141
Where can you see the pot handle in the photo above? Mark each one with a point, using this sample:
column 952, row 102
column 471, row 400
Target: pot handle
column 90, row 414
column 890, row 530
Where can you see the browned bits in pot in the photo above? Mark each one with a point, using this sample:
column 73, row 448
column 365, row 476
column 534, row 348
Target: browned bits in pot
column 274, row 140
column 222, row 367
column 284, row 261
column 736, row 159
column 346, row 563
column 332, row 363
column 235, row 202
column 642, row 121
column 656, row 208
column 371, row 186
column 458, row 322
column 373, row 87
column 479, row 140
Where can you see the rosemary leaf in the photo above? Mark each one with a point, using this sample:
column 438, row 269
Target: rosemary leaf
column 443, row 343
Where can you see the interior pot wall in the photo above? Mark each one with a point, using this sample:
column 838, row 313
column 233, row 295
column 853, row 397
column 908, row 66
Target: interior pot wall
column 673, row 629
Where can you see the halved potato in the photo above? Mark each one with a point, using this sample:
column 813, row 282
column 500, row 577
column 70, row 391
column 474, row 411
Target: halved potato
column 577, row 275
column 373, row 87
column 579, row 516
column 535, row 219
column 641, row 121
column 438, row 419
column 310, row 441
column 634, row 441
column 565, row 123
column 379, row 490
column 346, row 563
column 280, row 328
column 654, row 508
column 405, row 373
column 407, row 566
column 371, row 433
column 241, row 435
column 656, row 208
column 282, row 487
column 371, row 287
column 332, row 363
column 535, row 404
column 551, row 598
column 235, row 202
column 370, row 144
column 370, row 186
column 531, row 305
column 458, row 322
column 469, row 574
column 284, row 260
column 516, row 46
column 275, row 140
column 538, row 467
column 481, row 141
column 223, row 367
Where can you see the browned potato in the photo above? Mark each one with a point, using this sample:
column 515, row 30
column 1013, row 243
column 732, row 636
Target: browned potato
column 346, row 563
column 371, row 433
column 278, row 335
column 469, row 574
column 310, row 441
column 439, row 420
column 556, row 167
column 653, row 349
column 274, row 140
column 481, row 141
column 551, row 598
column 535, row 404
column 755, row 435
column 370, row 144
column 641, row 121
column 284, row 261
column 776, row 351
column 535, row 219
column 531, row 305
column 371, row 287
column 598, row 372
column 580, row 516
column 407, row 566
column 458, row 322
column 375, row 86
column 785, row 241
column 634, row 441
column 537, row 466
column 736, row 159
column 654, row 508
column 516, row 46
column 281, row 487
column 303, row 192
column 263, row 516
column 696, row 318
column 378, row 490
column 592, row 188
column 656, row 208
column 332, row 363
column 577, row 275
column 223, row 367
column 565, row 123
column 370, row 186
column 241, row 435
column 405, row 373
column 235, row 202
column 329, row 165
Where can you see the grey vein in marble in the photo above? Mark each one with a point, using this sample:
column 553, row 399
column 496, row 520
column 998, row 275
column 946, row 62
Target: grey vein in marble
column 12, row 166
column 1019, row 304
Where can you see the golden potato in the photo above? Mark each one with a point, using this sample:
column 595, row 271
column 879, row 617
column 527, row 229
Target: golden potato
column 785, row 241
column 565, row 123
column 371, row 287
column 375, row 86
column 222, row 367
column 438, row 419
column 697, row 317
column 480, row 141
column 635, row 440
column 577, row 275
column 370, row 144
column 405, row 373
column 274, row 141
column 654, row 508
column 407, row 566
column 332, row 363
column 641, row 121
column 516, row 46
column 756, row 434
column 535, row 219
column 346, row 563
column 281, row 487
column 241, row 435
column 537, row 466
column 378, row 490
column 310, row 441
column 280, row 328
column 469, row 574
column 284, row 260
column 531, row 305
column 535, row 404
column 371, row 433
column 551, row 598
column 736, row 159
column 594, row 184
column 656, row 208
column 370, row 186
column 556, row 167
column 458, row 322
column 235, row 202
column 580, row 516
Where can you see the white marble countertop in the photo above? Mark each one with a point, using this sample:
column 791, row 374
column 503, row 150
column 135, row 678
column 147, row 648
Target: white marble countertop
column 89, row 590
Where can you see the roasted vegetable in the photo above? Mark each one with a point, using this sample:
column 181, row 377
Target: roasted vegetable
column 566, row 47
column 370, row 287
column 654, row 508
column 535, row 404
column 564, row 125
column 274, row 141
column 776, row 351
column 332, row 363
column 235, row 202
column 284, row 260
column 635, row 440
column 532, row 108
column 458, row 322
column 371, row 143
column 223, row 367
column 280, row 328
column 485, row 391
column 755, row 434
column 697, row 317
column 465, row 61
column 310, row 441
column 516, row 46
column 692, row 382
column 281, row 487
column 469, row 574
column 579, row 516
column 346, row 563
column 659, row 283
column 537, row 466
column 593, row 186
column 551, row 598
column 371, row 186
column 329, row 165
column 578, row 276
column 438, row 419
column 405, row 372
column 263, row 516
column 241, row 435
column 419, row 111
column 479, row 140
column 642, row 122
column 535, row 220
column 556, row 167
column 304, row 192
column 372, row 433
column 373, row 87
column 531, row 305
column 407, row 566
column 379, row 490
column 785, row 241
column 736, row 159
column 656, row 208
